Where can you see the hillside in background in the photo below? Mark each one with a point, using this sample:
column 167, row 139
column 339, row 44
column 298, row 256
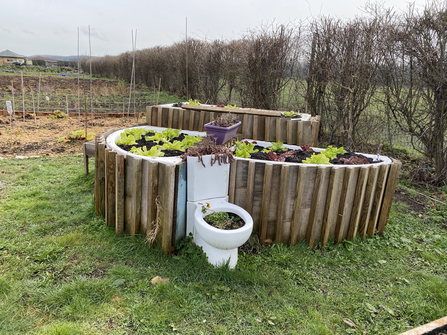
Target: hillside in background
column 64, row 58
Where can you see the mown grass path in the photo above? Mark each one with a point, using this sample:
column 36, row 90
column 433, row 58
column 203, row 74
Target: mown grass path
column 62, row 271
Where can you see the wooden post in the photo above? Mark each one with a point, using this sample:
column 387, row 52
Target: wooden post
column 377, row 200
column 301, row 181
column 265, row 201
column 232, row 185
column 149, row 115
column 281, row 203
column 388, row 196
column 358, row 202
column 314, row 227
column 132, row 200
column 368, row 201
column 120, row 187
column 299, row 134
column 166, row 177
column 250, row 186
column 149, row 192
column 332, row 203
column 255, row 127
column 346, row 202
column 110, row 169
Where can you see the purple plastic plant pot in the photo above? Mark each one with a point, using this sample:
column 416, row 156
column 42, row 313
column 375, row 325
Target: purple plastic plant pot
column 221, row 134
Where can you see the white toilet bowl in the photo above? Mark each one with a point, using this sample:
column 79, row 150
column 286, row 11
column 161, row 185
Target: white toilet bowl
column 220, row 246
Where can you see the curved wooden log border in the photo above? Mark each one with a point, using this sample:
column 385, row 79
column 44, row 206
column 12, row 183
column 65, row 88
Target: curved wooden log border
column 290, row 203
column 256, row 124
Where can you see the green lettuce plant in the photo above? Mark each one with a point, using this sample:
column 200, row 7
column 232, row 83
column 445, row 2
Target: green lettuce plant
column 155, row 151
column 331, row 152
column 176, row 145
column 244, row 149
column 157, row 137
column 170, row 133
column 317, row 159
column 189, row 141
column 276, row 146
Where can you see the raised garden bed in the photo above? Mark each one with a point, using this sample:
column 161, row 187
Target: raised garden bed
column 260, row 125
column 137, row 194
column 289, row 202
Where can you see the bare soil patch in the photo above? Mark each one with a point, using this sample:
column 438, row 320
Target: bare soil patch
column 48, row 84
column 26, row 139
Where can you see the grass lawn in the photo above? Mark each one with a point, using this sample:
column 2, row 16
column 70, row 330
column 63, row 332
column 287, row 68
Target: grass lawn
column 62, row 271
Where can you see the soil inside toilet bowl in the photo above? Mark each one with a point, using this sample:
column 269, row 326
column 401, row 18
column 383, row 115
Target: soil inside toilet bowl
column 225, row 222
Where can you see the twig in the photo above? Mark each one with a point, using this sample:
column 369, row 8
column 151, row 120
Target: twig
column 152, row 234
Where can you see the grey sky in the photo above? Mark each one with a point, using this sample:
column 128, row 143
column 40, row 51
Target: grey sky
column 32, row 27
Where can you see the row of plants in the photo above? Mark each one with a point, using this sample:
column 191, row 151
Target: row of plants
column 277, row 152
column 171, row 142
column 195, row 102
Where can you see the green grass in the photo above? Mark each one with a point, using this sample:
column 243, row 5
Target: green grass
column 62, row 271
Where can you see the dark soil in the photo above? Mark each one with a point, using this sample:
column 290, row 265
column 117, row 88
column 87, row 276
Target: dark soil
column 235, row 222
column 149, row 144
column 297, row 156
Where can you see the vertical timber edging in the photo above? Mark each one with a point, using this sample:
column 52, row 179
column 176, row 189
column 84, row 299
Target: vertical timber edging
column 110, row 187
column 119, row 201
column 257, row 127
column 388, row 196
column 166, row 177
column 329, row 201
column 132, row 196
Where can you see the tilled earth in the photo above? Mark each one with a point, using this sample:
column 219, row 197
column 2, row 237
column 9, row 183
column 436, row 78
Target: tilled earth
column 40, row 137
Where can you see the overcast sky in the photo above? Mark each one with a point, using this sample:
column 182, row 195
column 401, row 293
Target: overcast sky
column 34, row 27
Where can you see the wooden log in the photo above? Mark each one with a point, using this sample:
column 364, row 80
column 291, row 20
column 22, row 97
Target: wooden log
column 368, row 201
column 149, row 115
column 358, row 202
column 315, row 125
column 278, row 130
column 307, row 132
column 192, row 114
column 166, row 177
column 149, row 191
column 388, row 195
column 212, row 117
column 299, row 133
column 255, row 127
column 180, row 119
column 232, row 185
column 201, row 121
column 281, row 204
column 290, row 133
column 170, row 117
column 245, row 132
column 377, row 199
column 250, row 186
column 267, row 129
column 332, row 204
column 102, row 178
column 265, row 202
column 120, row 188
column 346, row 202
column 258, row 188
column 283, row 130
column 159, row 116
column 315, row 225
column 301, row 208
column 132, row 200
column 110, row 209
column 97, row 188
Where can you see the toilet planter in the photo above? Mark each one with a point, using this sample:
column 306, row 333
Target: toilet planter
column 208, row 167
column 221, row 246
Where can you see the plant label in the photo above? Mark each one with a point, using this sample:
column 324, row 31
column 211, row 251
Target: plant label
column 9, row 107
